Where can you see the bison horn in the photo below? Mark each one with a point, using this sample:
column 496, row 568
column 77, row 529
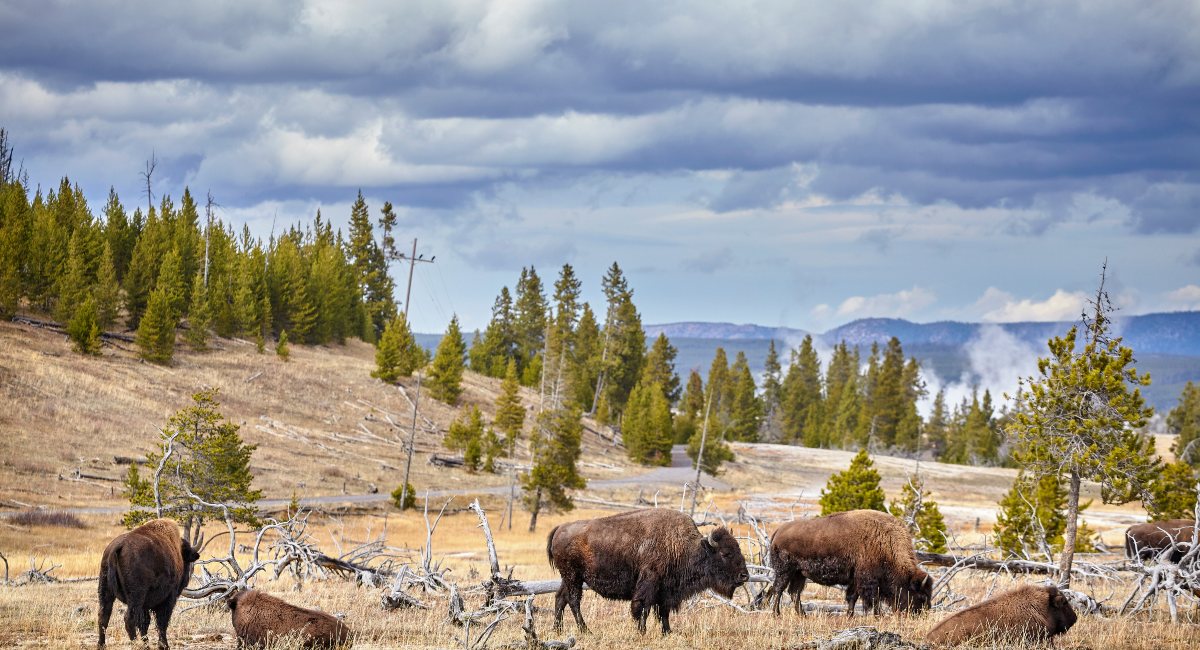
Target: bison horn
column 712, row 537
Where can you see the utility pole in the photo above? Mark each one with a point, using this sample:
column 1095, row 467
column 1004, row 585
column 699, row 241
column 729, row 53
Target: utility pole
column 412, row 263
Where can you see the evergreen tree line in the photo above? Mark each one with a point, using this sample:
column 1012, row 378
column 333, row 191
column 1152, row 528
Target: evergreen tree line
column 154, row 270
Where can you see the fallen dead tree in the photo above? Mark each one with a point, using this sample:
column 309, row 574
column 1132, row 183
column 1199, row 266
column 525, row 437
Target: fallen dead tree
column 62, row 329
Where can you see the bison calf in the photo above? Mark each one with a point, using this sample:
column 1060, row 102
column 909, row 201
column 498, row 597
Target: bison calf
column 1147, row 541
column 653, row 558
column 868, row 551
column 1027, row 614
column 259, row 618
column 146, row 568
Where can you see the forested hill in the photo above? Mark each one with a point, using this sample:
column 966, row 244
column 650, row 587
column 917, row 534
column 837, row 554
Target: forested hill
column 1176, row 333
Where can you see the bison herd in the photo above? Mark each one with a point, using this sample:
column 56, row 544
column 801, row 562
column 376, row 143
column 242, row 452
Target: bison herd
column 654, row 558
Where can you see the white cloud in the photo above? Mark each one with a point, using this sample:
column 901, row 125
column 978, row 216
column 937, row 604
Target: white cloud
column 999, row 306
column 899, row 304
column 996, row 361
column 1184, row 298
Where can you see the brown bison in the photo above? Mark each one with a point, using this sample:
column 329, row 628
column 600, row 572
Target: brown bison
column 259, row 618
column 146, row 568
column 654, row 558
column 1027, row 614
column 868, row 551
column 1147, row 541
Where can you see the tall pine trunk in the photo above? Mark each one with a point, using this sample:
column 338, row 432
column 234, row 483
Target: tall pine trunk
column 537, row 506
column 1068, row 552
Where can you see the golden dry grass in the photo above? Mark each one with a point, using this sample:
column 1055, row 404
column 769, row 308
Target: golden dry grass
column 63, row 615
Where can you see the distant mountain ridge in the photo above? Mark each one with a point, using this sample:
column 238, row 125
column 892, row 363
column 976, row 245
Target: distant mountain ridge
column 1174, row 333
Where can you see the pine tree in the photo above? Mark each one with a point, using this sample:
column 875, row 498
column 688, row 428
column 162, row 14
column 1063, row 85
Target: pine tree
column 199, row 316
column 938, row 425
column 281, row 346
column 802, row 392
column 716, row 451
column 397, row 354
column 156, row 331
column 745, row 409
column 374, row 284
column 510, row 412
column 856, row 488
column 119, row 234
column 1084, row 410
column 1173, row 493
column 15, row 226
column 208, row 458
column 409, row 496
column 1184, row 422
column 492, row 447
column 84, row 330
column 466, row 430
column 624, row 350
column 1032, row 518
column 691, row 407
column 499, row 341
column 772, row 397
column 646, row 425
column 445, row 375
column 72, row 287
column 921, row 514
column 107, row 291
column 529, row 326
column 660, row 368
column 585, row 364
column 556, row 444
column 842, row 370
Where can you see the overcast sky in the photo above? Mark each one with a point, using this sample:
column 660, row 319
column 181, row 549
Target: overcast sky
column 784, row 163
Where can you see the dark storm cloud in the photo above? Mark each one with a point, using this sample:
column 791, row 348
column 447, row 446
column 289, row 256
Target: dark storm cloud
column 998, row 105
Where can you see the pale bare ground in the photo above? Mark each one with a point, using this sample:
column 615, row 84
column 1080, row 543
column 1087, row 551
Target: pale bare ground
column 64, row 615
column 320, row 421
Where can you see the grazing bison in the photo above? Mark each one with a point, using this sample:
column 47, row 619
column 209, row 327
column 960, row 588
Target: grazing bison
column 1147, row 541
column 868, row 551
column 146, row 568
column 259, row 618
column 1027, row 614
column 654, row 558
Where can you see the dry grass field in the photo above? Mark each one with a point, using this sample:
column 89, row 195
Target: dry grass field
column 321, row 424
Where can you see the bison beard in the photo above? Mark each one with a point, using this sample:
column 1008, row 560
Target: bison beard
column 654, row 558
column 870, row 552
column 1027, row 614
column 146, row 568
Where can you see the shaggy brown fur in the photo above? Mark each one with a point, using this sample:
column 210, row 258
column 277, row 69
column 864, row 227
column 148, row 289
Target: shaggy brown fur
column 1146, row 541
column 259, row 618
column 1027, row 614
column 653, row 558
column 868, row 551
column 146, row 568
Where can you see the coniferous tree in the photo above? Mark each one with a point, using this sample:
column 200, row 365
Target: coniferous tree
column 646, row 425
column 1173, row 493
column 847, row 423
column 510, row 412
column 465, row 430
column 856, row 488
column 585, row 364
column 281, row 346
column 660, row 368
column 529, row 326
column 16, row 219
column 119, row 233
column 73, row 287
column 370, row 269
column 745, row 409
column 142, row 272
column 156, row 331
column 84, row 329
column 1184, row 422
column 208, row 457
column 50, row 239
column 772, row 397
column 499, row 341
column 1084, row 410
column 1032, row 518
column 170, row 280
column 938, row 425
column 624, row 350
column 556, row 442
column 691, row 407
column 198, row 316
column 107, row 290
column 801, row 393
column 920, row 513
column 397, row 354
column 445, row 375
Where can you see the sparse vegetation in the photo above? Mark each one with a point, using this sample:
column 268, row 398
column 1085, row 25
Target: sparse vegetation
column 45, row 517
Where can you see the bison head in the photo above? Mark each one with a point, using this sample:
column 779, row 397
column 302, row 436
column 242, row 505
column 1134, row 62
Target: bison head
column 914, row 595
column 1062, row 615
column 726, row 567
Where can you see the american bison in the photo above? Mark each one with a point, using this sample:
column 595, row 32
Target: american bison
column 259, row 618
column 868, row 551
column 146, row 568
column 654, row 558
column 1147, row 541
column 1027, row 614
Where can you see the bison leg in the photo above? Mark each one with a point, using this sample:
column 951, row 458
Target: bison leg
column 851, row 600
column 106, row 605
column 664, row 616
column 645, row 593
column 794, row 590
column 775, row 592
column 570, row 592
column 162, row 618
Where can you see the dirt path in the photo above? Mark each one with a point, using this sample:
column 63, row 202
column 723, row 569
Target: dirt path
column 680, row 472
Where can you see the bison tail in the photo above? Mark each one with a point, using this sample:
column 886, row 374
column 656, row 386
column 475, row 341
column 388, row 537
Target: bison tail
column 114, row 574
column 550, row 545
